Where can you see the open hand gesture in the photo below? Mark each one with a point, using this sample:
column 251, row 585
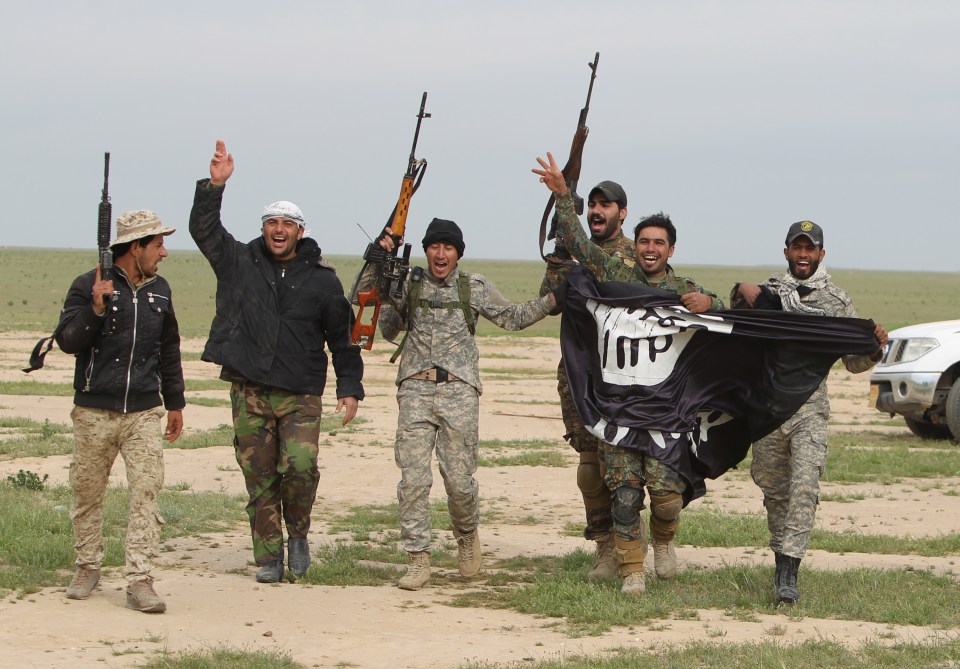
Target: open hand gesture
column 551, row 175
column 221, row 165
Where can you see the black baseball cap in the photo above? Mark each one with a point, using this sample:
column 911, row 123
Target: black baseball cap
column 805, row 229
column 612, row 191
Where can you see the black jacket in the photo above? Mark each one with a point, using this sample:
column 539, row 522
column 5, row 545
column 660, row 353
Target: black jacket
column 130, row 368
column 273, row 320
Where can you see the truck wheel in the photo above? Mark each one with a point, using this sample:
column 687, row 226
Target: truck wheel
column 952, row 410
column 926, row 430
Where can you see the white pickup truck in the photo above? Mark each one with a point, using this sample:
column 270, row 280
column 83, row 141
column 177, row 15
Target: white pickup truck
column 919, row 378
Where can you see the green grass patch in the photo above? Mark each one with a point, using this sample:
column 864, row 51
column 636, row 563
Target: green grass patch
column 30, row 387
column 560, row 590
column 516, row 444
column 706, row 528
column 873, row 457
column 525, row 459
column 224, row 658
column 40, row 279
column 208, row 402
column 812, row 654
column 36, row 535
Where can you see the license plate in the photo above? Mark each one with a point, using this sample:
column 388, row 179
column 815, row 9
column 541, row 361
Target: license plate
column 874, row 394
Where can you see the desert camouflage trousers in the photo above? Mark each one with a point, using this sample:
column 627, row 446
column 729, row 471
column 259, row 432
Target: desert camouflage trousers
column 787, row 465
column 591, row 470
column 99, row 435
column 442, row 416
column 277, row 444
column 629, row 468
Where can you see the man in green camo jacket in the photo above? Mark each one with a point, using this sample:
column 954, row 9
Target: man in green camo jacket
column 627, row 469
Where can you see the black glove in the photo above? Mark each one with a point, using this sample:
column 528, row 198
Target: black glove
column 560, row 295
column 375, row 253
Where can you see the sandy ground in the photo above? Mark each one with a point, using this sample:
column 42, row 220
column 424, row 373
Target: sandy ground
column 213, row 600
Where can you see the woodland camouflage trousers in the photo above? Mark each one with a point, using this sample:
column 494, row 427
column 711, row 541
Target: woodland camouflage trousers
column 277, row 437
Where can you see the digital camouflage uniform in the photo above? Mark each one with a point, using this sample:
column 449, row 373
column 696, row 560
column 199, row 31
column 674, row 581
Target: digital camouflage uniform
column 628, row 469
column 788, row 463
column 590, row 472
column 443, row 414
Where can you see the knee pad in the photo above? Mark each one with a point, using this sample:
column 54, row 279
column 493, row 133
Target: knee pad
column 627, row 503
column 665, row 507
column 589, row 479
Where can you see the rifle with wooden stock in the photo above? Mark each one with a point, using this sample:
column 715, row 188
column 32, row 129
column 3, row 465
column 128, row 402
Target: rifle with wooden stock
column 571, row 171
column 393, row 267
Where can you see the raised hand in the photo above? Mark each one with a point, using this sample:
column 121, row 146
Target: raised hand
column 221, row 165
column 551, row 175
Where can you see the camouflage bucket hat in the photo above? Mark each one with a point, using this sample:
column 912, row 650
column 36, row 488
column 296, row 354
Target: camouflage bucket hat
column 134, row 225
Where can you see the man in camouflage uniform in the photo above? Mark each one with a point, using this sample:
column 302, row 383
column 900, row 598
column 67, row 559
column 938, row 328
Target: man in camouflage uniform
column 278, row 302
column 125, row 336
column 627, row 469
column 606, row 211
column 788, row 463
column 439, row 390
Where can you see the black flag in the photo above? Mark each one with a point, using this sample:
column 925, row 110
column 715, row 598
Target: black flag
column 692, row 390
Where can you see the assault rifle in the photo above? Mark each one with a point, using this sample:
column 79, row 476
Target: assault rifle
column 104, row 215
column 571, row 171
column 393, row 267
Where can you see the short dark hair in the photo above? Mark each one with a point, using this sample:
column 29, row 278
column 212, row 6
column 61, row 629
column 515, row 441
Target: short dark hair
column 658, row 220
column 121, row 250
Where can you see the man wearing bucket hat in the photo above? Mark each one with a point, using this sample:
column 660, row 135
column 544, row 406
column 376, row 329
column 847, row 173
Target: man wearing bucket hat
column 278, row 304
column 125, row 337
column 606, row 212
column 788, row 463
column 439, row 390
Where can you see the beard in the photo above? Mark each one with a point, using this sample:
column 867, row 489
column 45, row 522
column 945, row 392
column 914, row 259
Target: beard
column 803, row 273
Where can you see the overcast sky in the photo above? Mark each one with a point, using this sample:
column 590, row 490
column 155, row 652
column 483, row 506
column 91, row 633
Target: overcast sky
column 736, row 118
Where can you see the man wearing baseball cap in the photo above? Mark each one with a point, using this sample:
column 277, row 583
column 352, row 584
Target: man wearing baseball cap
column 627, row 469
column 278, row 305
column 606, row 212
column 787, row 463
column 439, row 390
column 124, row 334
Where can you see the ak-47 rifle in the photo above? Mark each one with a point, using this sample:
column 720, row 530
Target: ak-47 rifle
column 393, row 268
column 571, row 171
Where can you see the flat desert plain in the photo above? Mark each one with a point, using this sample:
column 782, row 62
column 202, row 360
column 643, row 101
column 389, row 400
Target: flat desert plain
column 213, row 599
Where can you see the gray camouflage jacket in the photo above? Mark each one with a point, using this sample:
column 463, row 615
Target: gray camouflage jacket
column 440, row 337
column 835, row 302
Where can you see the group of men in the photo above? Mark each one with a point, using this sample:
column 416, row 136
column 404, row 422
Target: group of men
column 279, row 305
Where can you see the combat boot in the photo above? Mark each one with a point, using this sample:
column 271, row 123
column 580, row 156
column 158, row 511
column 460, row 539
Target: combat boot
column 664, row 519
column 272, row 571
column 604, row 560
column 469, row 559
column 298, row 551
column 630, row 555
column 418, row 573
column 142, row 597
column 785, row 580
column 83, row 583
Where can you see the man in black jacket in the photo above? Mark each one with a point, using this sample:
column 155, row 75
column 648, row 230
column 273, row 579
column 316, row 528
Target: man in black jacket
column 278, row 302
column 124, row 334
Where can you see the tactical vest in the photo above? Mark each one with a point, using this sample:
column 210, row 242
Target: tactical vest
column 414, row 302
